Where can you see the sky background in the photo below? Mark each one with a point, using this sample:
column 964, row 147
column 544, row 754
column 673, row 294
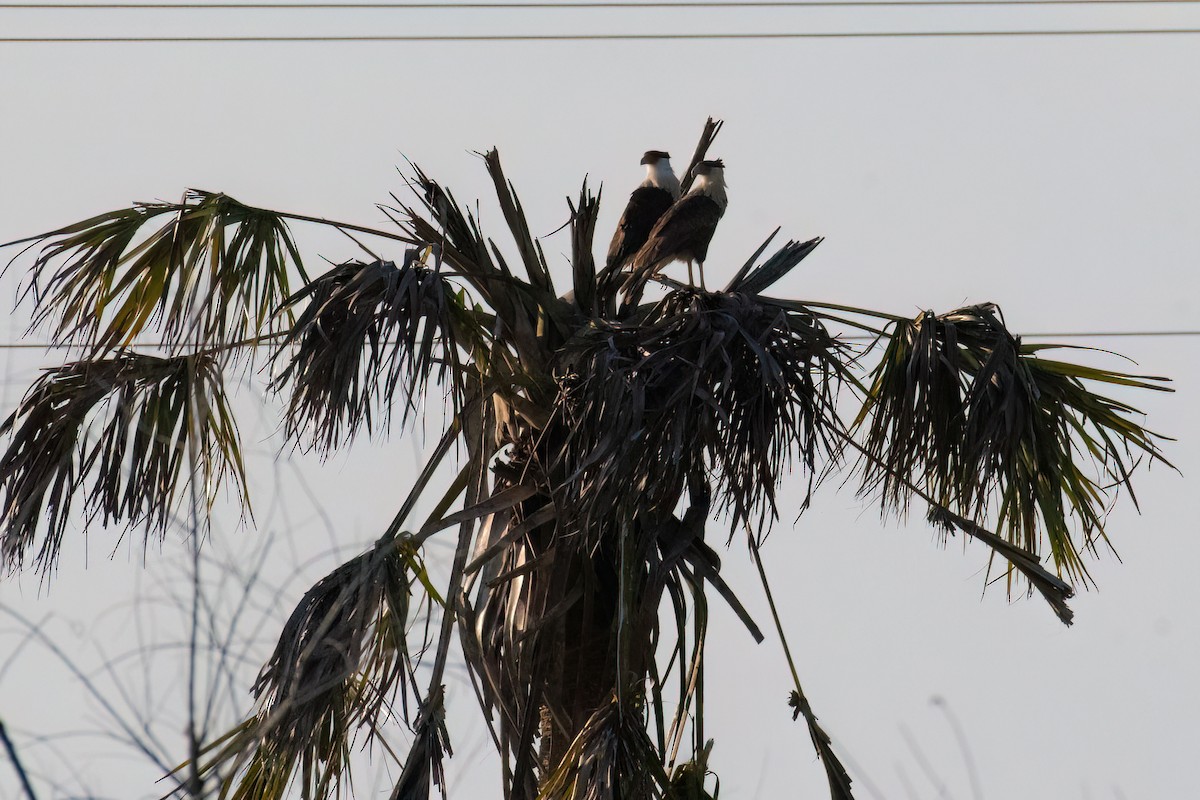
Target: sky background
column 1058, row 177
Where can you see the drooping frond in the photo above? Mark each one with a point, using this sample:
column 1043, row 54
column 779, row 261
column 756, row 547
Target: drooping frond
column 131, row 424
column 212, row 274
column 960, row 408
column 835, row 773
column 611, row 757
column 423, row 768
column 370, row 336
column 720, row 381
column 341, row 664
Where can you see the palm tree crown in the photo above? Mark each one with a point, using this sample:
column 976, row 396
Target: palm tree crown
column 594, row 446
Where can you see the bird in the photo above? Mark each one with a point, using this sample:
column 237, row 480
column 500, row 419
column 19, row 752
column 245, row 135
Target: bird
column 684, row 231
column 649, row 201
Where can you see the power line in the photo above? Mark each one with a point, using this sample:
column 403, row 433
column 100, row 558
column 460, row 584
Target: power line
column 595, row 37
column 1106, row 334
column 539, row 5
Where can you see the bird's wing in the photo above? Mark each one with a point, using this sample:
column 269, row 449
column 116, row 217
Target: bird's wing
column 646, row 205
column 690, row 222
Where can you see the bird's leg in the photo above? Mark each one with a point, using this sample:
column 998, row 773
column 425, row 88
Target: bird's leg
column 702, row 286
column 691, row 278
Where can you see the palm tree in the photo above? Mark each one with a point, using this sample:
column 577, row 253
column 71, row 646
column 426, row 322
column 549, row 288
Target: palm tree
column 592, row 451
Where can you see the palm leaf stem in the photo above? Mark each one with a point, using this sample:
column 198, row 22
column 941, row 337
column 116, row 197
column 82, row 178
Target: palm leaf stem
column 866, row 312
column 839, row 781
column 1053, row 589
column 346, row 226
column 439, row 453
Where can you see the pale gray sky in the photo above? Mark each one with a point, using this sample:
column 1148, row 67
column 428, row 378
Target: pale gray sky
column 1059, row 177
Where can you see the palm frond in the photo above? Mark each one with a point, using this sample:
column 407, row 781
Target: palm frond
column 583, row 261
column 752, row 279
column 341, row 663
column 431, row 743
column 702, row 380
column 707, row 136
column 514, row 215
column 366, row 333
column 455, row 236
column 835, row 773
column 129, row 424
column 688, row 779
column 611, row 757
column 963, row 410
column 212, row 275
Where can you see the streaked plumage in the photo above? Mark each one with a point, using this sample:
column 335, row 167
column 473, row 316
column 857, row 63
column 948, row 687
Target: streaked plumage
column 683, row 233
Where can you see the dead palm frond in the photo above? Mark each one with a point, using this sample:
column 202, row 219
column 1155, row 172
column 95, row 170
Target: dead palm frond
column 960, row 408
column 369, row 333
column 211, row 275
column 583, row 261
column 688, row 779
column 124, row 428
column 720, row 381
column 611, row 757
column 754, row 278
column 341, row 665
column 707, row 136
column 431, row 744
column 835, row 773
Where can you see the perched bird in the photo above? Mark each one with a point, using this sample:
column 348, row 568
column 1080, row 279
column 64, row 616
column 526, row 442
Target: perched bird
column 684, row 231
column 648, row 202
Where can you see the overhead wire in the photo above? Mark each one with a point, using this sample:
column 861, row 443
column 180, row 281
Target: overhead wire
column 591, row 4
column 598, row 37
column 546, row 5
column 608, row 5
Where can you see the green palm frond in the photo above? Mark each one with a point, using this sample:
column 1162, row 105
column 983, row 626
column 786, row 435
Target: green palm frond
column 130, row 424
column 212, row 274
column 340, row 665
column 369, row 333
column 960, row 408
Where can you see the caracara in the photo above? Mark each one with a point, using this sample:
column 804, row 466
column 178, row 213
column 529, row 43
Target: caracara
column 683, row 233
column 648, row 202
